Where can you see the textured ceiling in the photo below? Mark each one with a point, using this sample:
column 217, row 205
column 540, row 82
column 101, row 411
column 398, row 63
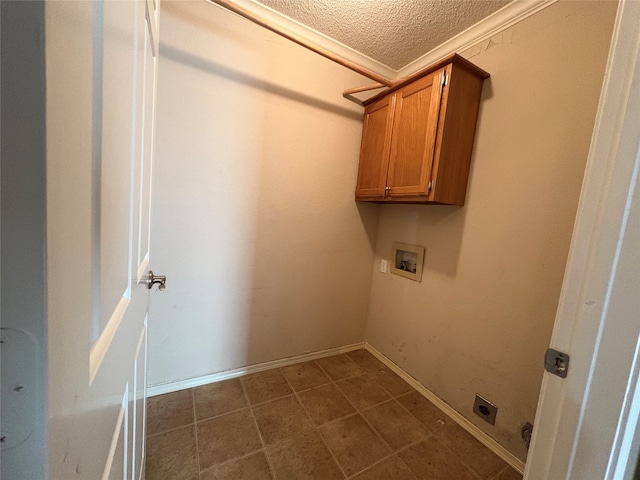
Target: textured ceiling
column 393, row 32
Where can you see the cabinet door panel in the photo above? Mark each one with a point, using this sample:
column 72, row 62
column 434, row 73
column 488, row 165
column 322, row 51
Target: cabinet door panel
column 374, row 151
column 415, row 126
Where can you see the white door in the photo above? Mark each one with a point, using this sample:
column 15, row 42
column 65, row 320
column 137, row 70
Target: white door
column 100, row 93
column 587, row 424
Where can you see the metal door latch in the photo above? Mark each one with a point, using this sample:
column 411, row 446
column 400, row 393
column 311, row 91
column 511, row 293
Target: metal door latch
column 160, row 280
column 556, row 362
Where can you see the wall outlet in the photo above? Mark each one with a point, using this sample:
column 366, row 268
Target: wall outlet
column 485, row 409
column 383, row 266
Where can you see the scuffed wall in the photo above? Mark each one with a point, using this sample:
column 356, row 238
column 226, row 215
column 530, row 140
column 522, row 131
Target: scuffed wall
column 481, row 319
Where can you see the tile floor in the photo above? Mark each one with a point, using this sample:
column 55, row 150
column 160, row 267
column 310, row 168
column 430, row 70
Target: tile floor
column 346, row 416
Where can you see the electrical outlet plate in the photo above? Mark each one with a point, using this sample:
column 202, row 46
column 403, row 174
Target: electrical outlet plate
column 383, row 266
column 485, row 409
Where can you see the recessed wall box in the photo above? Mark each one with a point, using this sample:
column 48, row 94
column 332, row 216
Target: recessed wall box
column 407, row 261
column 485, row 409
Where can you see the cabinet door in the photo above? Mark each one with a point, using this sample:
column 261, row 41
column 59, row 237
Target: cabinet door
column 374, row 151
column 415, row 126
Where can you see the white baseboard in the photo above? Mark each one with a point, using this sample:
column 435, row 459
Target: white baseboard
column 486, row 440
column 170, row 387
column 481, row 436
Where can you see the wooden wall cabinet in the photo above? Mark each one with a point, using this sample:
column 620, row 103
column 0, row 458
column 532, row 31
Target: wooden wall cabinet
column 417, row 137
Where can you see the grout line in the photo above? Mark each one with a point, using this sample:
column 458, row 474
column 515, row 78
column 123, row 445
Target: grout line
column 330, row 380
column 357, row 411
column 169, row 387
column 501, row 472
column 231, row 460
column 255, row 423
column 429, row 431
column 170, row 429
column 407, row 466
column 272, row 400
column 222, row 414
column 377, row 462
column 393, row 453
column 459, row 458
column 317, row 430
column 459, row 419
column 195, row 429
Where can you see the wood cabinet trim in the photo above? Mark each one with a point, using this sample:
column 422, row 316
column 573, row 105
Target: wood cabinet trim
column 382, row 163
column 431, row 120
column 454, row 59
column 427, row 135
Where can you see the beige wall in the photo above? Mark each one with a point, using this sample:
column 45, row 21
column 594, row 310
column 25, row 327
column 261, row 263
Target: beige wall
column 268, row 256
column 254, row 223
column 481, row 319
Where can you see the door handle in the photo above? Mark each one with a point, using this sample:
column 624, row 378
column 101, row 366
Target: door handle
column 160, row 280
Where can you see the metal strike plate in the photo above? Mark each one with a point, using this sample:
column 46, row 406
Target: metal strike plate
column 556, row 362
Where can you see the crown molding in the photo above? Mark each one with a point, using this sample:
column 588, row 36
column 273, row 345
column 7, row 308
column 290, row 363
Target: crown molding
column 316, row 37
column 504, row 18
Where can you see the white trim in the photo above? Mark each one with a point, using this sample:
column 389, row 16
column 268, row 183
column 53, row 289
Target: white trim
column 316, row 37
column 121, row 420
column 142, row 268
column 102, row 344
column 136, row 402
column 486, row 440
column 577, row 417
column 162, row 388
column 504, row 18
column 481, row 436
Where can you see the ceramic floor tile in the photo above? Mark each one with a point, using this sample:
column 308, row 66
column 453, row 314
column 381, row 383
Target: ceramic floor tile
column 365, row 360
column 391, row 382
column 305, row 375
column 169, row 411
column 325, row 403
column 340, row 366
column 172, row 455
column 217, row 398
column 354, row 444
column 482, row 460
column 395, row 425
column 428, row 460
column 280, row 419
column 303, row 457
column 509, row 474
column 389, row 469
column 226, row 437
column 302, row 436
column 265, row 386
column 431, row 417
column 363, row 391
column 252, row 467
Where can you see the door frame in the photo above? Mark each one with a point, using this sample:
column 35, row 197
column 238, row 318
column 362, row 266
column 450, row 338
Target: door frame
column 586, row 425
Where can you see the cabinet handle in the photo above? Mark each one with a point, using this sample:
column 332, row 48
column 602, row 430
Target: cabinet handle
column 386, row 190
